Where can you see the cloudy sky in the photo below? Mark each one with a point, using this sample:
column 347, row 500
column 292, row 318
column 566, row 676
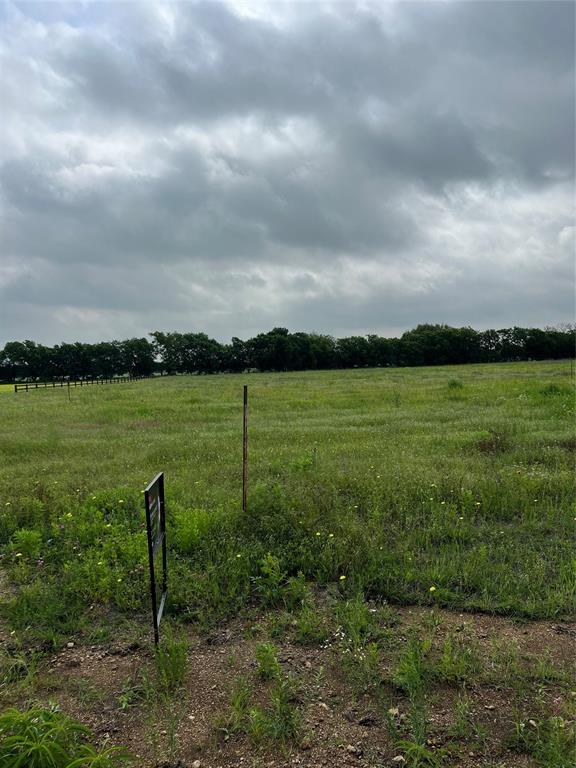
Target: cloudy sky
column 232, row 166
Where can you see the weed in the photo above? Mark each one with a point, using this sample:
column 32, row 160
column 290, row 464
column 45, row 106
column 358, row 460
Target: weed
column 362, row 666
column 279, row 624
column 46, row 738
column 280, row 721
column 295, row 591
column 462, row 725
column 267, row 660
column 269, row 583
column 311, row 627
column 413, row 671
column 415, row 749
column 26, row 543
column 545, row 671
column 358, row 620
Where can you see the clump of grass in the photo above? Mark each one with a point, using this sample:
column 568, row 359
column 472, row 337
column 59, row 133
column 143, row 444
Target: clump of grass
column 493, row 442
column 17, row 672
column 419, row 756
column 553, row 390
column 46, row 738
column 171, row 658
column 504, row 665
column 458, row 662
column 278, row 720
column 455, row 389
column 415, row 748
column 551, row 742
column 239, row 706
column 464, row 726
column 567, row 443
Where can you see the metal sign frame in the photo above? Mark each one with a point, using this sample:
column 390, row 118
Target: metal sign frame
column 156, row 530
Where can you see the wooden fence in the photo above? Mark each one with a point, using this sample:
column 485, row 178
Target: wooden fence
column 28, row 385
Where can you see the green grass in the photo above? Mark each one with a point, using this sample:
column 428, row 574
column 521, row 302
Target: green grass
column 448, row 486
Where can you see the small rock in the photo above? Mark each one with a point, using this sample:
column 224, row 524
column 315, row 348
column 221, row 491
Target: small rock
column 368, row 719
column 394, row 712
column 69, row 645
column 399, row 759
column 196, row 764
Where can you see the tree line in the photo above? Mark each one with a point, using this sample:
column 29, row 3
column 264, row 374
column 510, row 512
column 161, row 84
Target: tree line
column 279, row 350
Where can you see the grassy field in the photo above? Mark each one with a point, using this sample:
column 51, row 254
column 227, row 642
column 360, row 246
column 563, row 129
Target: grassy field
column 445, row 488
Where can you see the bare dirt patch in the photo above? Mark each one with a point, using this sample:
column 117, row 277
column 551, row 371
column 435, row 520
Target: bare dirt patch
column 341, row 725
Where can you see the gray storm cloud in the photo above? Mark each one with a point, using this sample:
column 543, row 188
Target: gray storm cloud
column 337, row 167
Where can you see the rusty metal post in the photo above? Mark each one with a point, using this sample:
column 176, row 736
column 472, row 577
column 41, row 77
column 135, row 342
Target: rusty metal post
column 245, row 450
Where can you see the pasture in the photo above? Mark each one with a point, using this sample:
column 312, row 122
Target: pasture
column 408, row 551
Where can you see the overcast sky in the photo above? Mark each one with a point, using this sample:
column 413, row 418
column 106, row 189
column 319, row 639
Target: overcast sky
column 339, row 167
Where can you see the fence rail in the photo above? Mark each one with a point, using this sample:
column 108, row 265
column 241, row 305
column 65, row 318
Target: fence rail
column 27, row 386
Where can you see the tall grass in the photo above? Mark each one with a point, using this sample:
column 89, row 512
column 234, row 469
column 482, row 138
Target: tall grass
column 375, row 481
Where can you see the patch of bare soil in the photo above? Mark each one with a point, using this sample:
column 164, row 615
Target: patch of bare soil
column 341, row 726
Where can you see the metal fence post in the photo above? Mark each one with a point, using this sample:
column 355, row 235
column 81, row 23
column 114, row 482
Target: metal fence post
column 245, row 450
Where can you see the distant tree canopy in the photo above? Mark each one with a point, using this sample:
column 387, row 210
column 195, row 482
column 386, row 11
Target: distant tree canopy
column 280, row 350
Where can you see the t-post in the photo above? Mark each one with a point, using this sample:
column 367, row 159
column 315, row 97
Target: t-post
column 245, row 450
